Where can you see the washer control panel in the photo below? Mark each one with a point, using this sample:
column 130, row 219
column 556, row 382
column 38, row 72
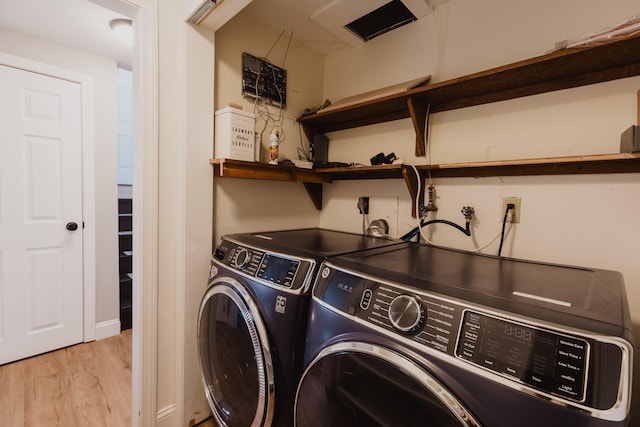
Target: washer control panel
column 424, row 320
column 273, row 268
column 544, row 359
column 406, row 313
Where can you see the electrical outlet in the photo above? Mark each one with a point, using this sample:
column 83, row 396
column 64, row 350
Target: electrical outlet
column 515, row 212
column 363, row 205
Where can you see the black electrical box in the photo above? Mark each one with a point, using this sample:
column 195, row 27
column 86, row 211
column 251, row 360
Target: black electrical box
column 263, row 81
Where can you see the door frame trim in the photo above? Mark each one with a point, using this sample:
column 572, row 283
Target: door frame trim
column 88, row 179
column 146, row 205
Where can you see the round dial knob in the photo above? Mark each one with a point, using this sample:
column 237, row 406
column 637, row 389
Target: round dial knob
column 241, row 259
column 406, row 313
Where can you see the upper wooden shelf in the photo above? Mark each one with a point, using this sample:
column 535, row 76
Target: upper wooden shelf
column 562, row 69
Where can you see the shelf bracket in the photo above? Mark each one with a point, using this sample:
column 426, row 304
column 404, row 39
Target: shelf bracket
column 314, row 190
column 414, row 182
column 419, row 111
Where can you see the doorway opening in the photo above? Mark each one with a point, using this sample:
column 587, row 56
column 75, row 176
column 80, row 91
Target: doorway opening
column 125, row 196
column 30, row 30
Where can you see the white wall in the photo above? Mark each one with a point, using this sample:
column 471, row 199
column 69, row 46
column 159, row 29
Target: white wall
column 189, row 198
column 185, row 190
column 198, row 209
column 125, row 127
column 103, row 74
column 251, row 205
column 586, row 220
column 171, row 145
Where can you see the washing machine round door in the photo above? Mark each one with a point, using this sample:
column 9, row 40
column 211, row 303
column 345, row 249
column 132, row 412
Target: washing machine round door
column 235, row 360
column 357, row 384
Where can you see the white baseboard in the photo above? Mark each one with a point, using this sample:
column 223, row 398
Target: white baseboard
column 167, row 416
column 107, row 329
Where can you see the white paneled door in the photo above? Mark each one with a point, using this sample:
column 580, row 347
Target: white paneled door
column 41, row 289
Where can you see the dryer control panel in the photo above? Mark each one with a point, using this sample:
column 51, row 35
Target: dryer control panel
column 274, row 269
column 532, row 355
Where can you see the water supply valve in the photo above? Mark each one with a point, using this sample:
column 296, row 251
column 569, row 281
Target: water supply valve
column 467, row 211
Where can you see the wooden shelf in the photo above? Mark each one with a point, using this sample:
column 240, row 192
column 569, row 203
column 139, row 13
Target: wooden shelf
column 313, row 179
column 570, row 165
column 253, row 170
column 555, row 71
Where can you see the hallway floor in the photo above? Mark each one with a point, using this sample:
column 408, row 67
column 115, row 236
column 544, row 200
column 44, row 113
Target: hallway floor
column 85, row 385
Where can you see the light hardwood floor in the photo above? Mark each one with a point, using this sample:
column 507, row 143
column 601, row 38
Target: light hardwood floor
column 86, row 385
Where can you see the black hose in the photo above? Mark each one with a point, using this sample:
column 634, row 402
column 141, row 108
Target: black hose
column 504, row 223
column 411, row 234
column 466, row 231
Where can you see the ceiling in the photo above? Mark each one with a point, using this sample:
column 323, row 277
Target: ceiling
column 79, row 24
column 295, row 16
column 84, row 24
column 319, row 24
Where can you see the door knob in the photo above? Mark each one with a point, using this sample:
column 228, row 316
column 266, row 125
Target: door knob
column 71, row 226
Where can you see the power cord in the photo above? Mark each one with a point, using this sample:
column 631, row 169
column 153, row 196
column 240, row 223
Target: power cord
column 504, row 224
column 363, row 207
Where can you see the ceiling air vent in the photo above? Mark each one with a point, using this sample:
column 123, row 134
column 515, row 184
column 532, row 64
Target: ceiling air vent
column 356, row 21
column 385, row 18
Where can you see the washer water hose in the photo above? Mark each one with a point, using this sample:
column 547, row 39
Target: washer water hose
column 467, row 211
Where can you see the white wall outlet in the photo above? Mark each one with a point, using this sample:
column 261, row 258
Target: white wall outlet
column 385, row 208
column 515, row 212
